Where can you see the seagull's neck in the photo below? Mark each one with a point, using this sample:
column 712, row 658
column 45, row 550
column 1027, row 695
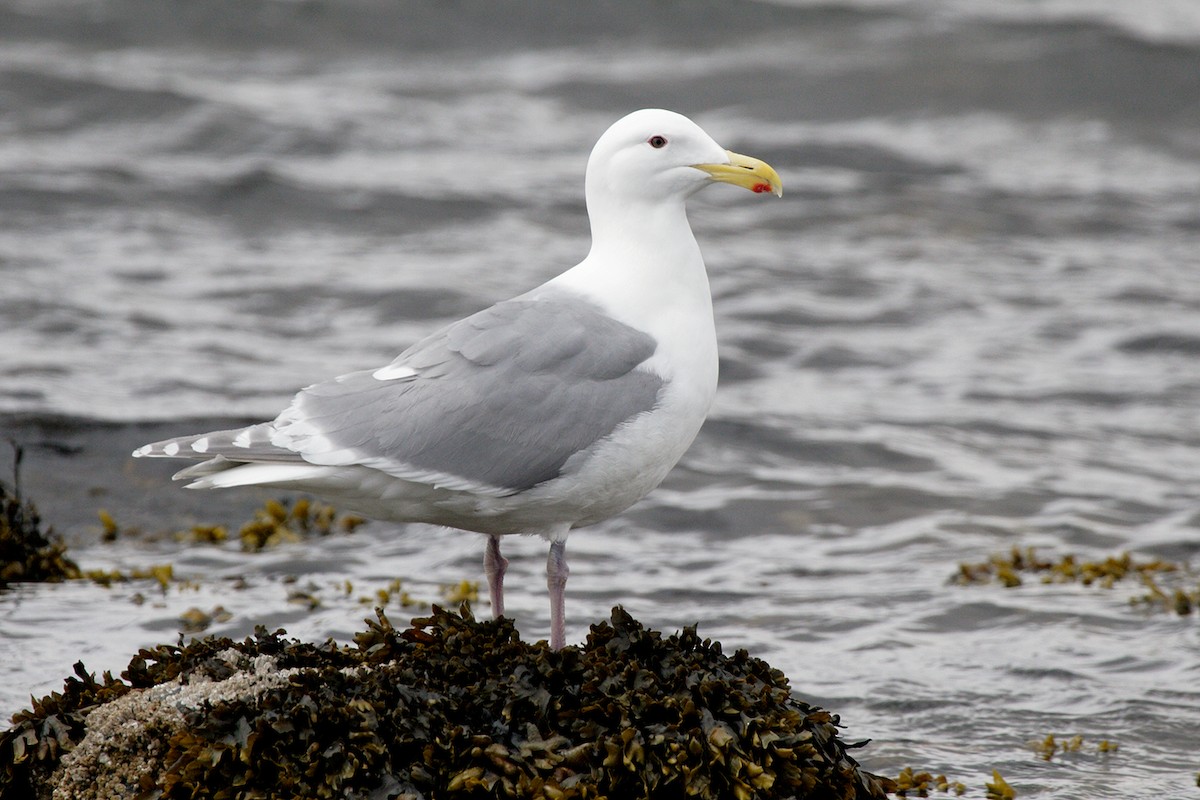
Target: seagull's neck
column 645, row 270
column 644, row 263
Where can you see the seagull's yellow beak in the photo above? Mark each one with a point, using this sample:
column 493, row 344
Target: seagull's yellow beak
column 747, row 172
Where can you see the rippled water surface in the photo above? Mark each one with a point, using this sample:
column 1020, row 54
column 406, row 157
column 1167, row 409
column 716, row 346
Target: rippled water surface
column 972, row 322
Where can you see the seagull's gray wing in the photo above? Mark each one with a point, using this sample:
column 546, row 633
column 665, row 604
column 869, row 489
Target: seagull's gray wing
column 498, row 401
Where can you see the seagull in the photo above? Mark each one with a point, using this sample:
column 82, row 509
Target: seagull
column 548, row 412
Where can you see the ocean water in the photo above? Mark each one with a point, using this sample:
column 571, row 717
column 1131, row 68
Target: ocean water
column 972, row 322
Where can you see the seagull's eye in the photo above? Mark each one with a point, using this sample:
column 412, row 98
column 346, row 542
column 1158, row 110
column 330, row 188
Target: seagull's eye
column 658, row 142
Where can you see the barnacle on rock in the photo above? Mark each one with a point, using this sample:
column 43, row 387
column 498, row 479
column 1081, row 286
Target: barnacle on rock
column 449, row 708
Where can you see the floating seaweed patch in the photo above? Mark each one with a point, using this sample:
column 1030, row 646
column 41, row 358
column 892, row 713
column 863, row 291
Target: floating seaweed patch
column 275, row 523
column 1051, row 746
column 205, row 534
column 308, row 598
column 110, row 531
column 197, row 534
column 999, row 789
column 910, row 783
column 195, row 620
column 1007, row 569
column 164, row 574
column 462, row 592
column 1183, row 601
column 450, row 708
column 382, row 597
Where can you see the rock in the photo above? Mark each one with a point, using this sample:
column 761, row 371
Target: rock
column 449, row 708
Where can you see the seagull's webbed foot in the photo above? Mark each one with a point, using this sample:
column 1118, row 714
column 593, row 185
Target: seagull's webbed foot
column 494, row 566
column 556, row 582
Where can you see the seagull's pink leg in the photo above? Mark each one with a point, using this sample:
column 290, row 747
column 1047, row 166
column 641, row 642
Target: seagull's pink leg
column 556, row 582
column 494, row 566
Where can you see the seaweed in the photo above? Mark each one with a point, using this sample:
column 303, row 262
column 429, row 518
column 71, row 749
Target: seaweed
column 163, row 574
column 1007, row 569
column 195, row 620
column 27, row 554
column 1051, row 746
column 910, row 783
column 382, row 597
column 449, row 708
column 999, row 789
column 275, row 523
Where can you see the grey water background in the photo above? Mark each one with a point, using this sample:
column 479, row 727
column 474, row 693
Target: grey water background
column 971, row 323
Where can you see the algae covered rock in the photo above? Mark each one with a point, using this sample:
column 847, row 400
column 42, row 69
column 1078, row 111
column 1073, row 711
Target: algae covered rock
column 449, row 708
column 26, row 552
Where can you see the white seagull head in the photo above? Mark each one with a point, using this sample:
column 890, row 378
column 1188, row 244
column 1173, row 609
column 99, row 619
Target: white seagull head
column 655, row 155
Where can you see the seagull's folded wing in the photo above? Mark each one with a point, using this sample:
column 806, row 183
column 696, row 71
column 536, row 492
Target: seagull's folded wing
column 499, row 400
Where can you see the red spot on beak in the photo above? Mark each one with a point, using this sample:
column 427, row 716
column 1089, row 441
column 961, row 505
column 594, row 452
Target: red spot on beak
column 762, row 187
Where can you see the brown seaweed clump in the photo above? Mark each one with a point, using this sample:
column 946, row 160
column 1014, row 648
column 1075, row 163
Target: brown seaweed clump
column 1007, row 568
column 910, row 783
column 26, row 553
column 275, row 523
column 451, row 708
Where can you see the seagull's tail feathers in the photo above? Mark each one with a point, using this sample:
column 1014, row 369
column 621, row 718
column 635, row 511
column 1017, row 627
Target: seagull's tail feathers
column 235, row 474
